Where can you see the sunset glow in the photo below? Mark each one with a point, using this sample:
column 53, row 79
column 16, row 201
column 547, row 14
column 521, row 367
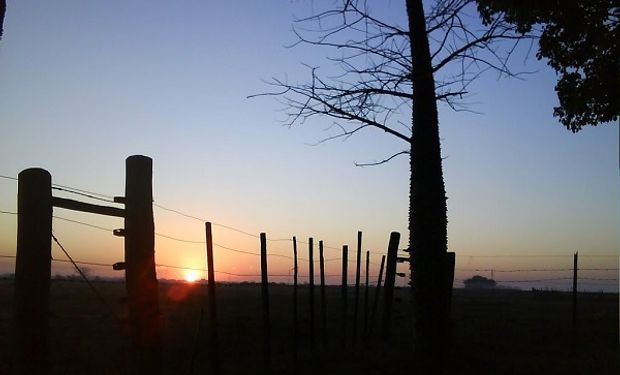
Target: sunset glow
column 191, row 276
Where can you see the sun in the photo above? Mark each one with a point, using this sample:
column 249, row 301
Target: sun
column 191, row 276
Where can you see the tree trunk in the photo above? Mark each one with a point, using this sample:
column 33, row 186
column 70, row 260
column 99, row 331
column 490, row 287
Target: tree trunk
column 427, row 210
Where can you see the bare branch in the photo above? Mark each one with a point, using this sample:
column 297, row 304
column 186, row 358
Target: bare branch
column 376, row 163
column 373, row 85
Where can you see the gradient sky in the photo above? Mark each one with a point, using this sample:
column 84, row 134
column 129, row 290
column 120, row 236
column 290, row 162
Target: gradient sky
column 83, row 85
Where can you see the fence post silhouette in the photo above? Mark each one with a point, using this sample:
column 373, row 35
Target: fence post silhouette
column 366, row 295
column 141, row 279
column 212, row 313
column 390, row 278
column 265, row 297
column 311, row 283
column 375, row 303
column 32, row 270
column 357, row 285
column 323, row 303
column 450, row 262
column 295, row 314
column 575, row 290
column 343, row 292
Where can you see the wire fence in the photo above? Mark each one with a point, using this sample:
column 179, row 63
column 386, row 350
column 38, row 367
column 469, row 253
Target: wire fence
column 590, row 278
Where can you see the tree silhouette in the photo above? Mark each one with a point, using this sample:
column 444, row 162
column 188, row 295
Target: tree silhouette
column 2, row 12
column 389, row 70
column 579, row 39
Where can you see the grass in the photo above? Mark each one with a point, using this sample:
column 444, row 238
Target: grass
column 495, row 331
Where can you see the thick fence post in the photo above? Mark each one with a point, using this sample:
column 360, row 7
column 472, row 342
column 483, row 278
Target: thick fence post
column 32, row 271
column 375, row 303
column 141, row 279
column 295, row 299
column 343, row 292
column 323, row 303
column 265, row 296
column 311, row 284
column 212, row 312
column 390, row 278
column 357, row 285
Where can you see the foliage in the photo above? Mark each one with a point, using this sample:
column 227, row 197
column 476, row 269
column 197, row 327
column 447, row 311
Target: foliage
column 580, row 41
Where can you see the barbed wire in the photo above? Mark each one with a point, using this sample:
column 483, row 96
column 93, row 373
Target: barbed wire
column 195, row 242
column 91, row 286
column 8, row 178
column 87, row 195
column 534, row 269
column 581, row 280
column 110, row 199
column 229, row 227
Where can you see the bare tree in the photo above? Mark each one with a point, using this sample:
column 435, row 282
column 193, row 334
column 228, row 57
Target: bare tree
column 387, row 70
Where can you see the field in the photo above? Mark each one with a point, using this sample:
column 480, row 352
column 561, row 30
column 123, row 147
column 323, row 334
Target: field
column 495, row 331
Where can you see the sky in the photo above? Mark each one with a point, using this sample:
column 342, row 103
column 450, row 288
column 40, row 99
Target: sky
column 84, row 85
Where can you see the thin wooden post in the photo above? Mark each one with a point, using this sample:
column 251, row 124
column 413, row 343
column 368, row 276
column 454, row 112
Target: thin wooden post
column 357, row 285
column 366, row 294
column 390, row 278
column 140, row 274
column 575, row 290
column 295, row 299
column 32, row 270
column 323, row 303
column 375, row 303
column 343, row 292
column 212, row 312
column 311, row 283
column 265, row 296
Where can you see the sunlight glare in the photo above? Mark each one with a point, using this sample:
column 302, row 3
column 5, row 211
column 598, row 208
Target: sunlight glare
column 191, row 276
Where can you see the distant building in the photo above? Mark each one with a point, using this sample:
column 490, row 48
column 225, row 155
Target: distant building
column 479, row 282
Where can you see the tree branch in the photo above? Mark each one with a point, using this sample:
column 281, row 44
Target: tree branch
column 376, row 163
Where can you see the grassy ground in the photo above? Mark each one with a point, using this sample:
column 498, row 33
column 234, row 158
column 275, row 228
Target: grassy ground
column 501, row 331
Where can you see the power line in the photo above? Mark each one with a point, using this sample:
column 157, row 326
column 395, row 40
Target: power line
column 8, row 212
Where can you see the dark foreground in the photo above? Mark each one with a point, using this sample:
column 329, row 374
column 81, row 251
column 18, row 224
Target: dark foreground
column 500, row 331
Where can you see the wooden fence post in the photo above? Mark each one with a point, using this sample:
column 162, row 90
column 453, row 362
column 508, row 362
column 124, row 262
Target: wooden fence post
column 212, row 312
column 295, row 314
column 311, row 283
column 343, row 292
column 357, row 285
column 265, row 296
column 323, row 303
column 32, row 271
column 390, row 278
column 141, row 279
column 375, row 303
column 366, row 295
column 575, row 290
column 450, row 262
